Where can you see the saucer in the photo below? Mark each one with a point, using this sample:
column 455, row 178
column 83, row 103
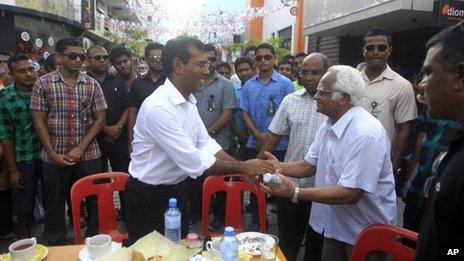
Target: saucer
column 40, row 253
column 84, row 253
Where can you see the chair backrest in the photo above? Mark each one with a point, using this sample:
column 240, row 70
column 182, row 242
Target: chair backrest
column 233, row 186
column 384, row 238
column 102, row 186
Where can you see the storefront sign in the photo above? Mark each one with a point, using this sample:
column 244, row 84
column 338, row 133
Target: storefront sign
column 88, row 14
column 449, row 12
column 51, row 41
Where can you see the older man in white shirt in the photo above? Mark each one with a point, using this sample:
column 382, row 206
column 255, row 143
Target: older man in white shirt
column 171, row 143
column 350, row 156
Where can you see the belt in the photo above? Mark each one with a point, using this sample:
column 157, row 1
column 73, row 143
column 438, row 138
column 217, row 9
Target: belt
column 160, row 186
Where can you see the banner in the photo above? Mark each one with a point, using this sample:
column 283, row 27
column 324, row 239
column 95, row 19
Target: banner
column 88, row 14
column 449, row 12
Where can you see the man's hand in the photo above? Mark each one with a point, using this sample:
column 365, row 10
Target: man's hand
column 275, row 162
column 286, row 190
column 16, row 179
column 74, row 155
column 257, row 167
column 113, row 131
column 61, row 160
column 261, row 136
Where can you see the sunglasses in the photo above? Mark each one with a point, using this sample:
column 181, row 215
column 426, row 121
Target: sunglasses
column 380, row 47
column 100, row 57
column 212, row 59
column 73, row 56
column 263, row 57
column 154, row 58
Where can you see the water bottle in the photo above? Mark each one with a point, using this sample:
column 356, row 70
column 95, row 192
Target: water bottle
column 229, row 245
column 172, row 218
column 272, row 179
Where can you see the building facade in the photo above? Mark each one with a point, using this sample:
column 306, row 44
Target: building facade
column 336, row 28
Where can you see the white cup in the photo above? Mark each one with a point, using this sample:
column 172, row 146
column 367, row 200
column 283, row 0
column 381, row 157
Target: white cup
column 24, row 249
column 98, row 245
column 214, row 246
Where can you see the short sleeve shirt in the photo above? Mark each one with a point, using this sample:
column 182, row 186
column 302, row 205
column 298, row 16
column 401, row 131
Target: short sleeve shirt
column 70, row 108
column 353, row 152
column 261, row 102
column 16, row 125
column 298, row 118
column 216, row 97
column 390, row 98
column 142, row 87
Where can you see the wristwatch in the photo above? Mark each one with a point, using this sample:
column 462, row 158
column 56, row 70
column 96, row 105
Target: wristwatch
column 295, row 195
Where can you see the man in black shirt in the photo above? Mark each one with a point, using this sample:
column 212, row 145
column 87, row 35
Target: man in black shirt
column 442, row 231
column 142, row 87
column 112, row 139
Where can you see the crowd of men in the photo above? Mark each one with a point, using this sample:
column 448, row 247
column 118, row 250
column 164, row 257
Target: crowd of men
column 337, row 136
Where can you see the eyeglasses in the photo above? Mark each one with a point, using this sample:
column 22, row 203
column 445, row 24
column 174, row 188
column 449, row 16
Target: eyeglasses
column 312, row 73
column 379, row 47
column 322, row 92
column 100, row 57
column 265, row 57
column 205, row 66
column 212, row 59
column 73, row 56
column 154, row 58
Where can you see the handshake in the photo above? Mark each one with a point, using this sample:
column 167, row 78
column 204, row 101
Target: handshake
column 254, row 169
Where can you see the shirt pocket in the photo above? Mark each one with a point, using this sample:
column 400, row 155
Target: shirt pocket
column 380, row 108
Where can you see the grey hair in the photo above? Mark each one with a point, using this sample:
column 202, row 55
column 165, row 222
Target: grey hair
column 349, row 81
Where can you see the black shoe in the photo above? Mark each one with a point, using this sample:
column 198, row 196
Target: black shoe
column 215, row 225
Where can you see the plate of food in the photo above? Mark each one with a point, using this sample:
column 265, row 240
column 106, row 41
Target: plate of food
column 250, row 242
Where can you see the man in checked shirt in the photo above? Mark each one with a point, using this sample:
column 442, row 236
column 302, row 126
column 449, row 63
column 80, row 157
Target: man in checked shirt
column 68, row 110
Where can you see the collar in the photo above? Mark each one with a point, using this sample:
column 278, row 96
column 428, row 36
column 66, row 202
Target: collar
column 238, row 85
column 388, row 74
column 339, row 127
column 108, row 76
column 274, row 76
column 57, row 76
column 175, row 96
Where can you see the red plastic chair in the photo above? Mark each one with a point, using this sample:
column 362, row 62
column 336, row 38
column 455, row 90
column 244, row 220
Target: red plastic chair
column 233, row 191
column 384, row 238
column 102, row 185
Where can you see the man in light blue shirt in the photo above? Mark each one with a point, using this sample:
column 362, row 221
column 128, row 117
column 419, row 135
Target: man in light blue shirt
column 261, row 97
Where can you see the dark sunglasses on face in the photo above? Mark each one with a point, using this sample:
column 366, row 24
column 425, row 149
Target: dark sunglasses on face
column 154, row 58
column 263, row 57
column 212, row 59
column 100, row 57
column 380, row 47
column 73, row 56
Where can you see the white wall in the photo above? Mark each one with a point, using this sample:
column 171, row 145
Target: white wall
column 274, row 22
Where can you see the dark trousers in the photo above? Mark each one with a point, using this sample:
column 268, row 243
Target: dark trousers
column 292, row 223
column 116, row 153
column 251, row 154
column 25, row 197
column 412, row 218
column 6, row 218
column 57, row 184
column 146, row 204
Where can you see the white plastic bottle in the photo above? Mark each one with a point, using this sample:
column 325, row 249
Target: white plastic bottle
column 229, row 245
column 272, row 179
column 172, row 221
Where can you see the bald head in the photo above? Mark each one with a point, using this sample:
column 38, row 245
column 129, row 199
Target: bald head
column 317, row 58
column 312, row 69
